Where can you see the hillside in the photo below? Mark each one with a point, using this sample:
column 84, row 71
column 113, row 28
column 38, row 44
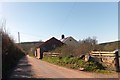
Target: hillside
column 27, row 45
column 111, row 45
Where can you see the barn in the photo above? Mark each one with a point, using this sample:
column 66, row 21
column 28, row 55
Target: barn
column 48, row 45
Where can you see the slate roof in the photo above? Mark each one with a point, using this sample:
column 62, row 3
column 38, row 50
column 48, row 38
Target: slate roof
column 65, row 39
column 49, row 41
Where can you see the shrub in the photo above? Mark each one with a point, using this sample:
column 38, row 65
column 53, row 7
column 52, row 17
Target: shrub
column 84, row 46
column 11, row 53
column 93, row 66
column 81, row 63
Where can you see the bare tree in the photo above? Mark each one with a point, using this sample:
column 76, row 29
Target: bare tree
column 86, row 45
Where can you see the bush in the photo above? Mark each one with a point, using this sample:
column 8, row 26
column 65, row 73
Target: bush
column 93, row 66
column 84, row 46
column 65, row 50
column 81, row 63
column 11, row 53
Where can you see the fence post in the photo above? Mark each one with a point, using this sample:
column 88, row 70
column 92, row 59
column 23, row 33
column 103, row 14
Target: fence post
column 117, row 61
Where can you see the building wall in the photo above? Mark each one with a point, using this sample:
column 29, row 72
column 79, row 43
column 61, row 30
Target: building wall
column 49, row 45
column 38, row 53
column 35, row 53
column 70, row 41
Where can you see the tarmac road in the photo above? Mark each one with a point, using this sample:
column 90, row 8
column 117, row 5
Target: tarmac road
column 29, row 67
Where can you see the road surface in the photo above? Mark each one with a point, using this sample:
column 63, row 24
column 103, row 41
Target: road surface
column 29, row 67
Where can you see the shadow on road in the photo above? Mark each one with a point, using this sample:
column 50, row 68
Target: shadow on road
column 22, row 70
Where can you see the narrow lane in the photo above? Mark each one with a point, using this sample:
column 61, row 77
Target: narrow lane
column 34, row 68
column 23, row 69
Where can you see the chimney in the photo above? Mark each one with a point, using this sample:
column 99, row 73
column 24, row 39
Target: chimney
column 62, row 36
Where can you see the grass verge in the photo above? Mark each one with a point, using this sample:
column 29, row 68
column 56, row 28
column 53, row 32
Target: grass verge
column 76, row 63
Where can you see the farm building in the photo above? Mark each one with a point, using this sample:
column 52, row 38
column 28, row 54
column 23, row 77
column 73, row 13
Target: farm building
column 49, row 45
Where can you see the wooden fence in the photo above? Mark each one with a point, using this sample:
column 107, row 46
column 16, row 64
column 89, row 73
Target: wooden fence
column 108, row 57
column 103, row 53
column 50, row 54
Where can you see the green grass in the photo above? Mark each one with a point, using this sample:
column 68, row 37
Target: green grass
column 76, row 63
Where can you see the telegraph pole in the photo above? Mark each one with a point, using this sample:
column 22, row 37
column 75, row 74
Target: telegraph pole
column 18, row 37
